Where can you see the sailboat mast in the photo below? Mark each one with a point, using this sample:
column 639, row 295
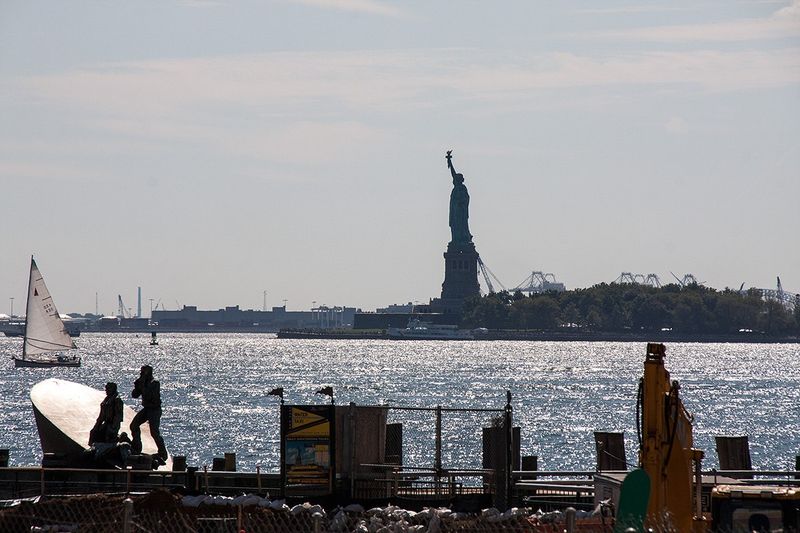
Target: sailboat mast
column 27, row 307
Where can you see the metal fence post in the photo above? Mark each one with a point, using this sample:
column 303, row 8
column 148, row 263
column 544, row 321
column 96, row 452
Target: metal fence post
column 437, row 461
column 509, row 423
column 127, row 506
column 437, row 466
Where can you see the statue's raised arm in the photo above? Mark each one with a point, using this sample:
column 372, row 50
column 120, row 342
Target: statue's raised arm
column 449, row 158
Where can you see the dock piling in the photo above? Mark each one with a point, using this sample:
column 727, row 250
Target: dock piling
column 230, row 462
column 571, row 517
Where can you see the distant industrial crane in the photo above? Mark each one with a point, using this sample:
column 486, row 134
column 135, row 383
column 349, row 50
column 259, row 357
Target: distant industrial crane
column 539, row 282
column 122, row 311
column 626, row 277
column 638, row 279
column 155, row 307
column 688, row 279
column 652, row 280
column 487, row 274
column 789, row 299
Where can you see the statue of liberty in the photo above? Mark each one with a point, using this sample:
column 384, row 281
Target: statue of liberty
column 459, row 206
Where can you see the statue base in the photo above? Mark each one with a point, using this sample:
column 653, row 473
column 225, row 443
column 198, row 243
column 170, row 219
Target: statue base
column 460, row 278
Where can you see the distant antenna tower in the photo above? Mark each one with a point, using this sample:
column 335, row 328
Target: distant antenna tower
column 264, row 308
column 139, row 303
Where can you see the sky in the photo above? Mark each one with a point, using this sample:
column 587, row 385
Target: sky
column 209, row 151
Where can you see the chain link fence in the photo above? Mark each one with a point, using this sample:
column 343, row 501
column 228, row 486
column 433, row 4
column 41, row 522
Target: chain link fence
column 435, row 454
column 164, row 512
column 438, row 437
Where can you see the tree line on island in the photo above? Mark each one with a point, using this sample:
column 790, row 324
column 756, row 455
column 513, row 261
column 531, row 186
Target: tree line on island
column 692, row 309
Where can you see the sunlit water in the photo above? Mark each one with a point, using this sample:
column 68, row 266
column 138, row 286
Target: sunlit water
column 214, row 390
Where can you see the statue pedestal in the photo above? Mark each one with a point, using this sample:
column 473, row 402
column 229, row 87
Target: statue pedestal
column 460, row 277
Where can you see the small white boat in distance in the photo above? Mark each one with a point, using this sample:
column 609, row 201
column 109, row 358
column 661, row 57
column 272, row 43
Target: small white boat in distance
column 426, row 331
column 46, row 337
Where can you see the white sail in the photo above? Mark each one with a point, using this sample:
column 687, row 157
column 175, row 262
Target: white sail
column 44, row 330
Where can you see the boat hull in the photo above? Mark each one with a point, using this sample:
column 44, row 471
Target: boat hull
column 412, row 337
column 420, row 330
column 46, row 363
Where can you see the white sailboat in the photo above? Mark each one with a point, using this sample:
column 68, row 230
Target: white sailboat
column 45, row 334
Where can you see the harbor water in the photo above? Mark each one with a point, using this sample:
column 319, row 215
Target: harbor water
column 214, row 390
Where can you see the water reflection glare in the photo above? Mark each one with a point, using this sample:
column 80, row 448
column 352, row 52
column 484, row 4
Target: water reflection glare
column 215, row 392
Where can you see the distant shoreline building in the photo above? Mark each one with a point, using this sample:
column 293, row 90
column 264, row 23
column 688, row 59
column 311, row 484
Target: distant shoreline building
column 233, row 318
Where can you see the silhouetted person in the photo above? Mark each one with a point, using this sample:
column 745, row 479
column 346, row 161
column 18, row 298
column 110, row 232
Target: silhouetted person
column 108, row 421
column 149, row 390
column 459, row 206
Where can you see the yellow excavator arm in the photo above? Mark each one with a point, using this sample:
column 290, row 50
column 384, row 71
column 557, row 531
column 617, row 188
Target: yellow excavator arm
column 666, row 452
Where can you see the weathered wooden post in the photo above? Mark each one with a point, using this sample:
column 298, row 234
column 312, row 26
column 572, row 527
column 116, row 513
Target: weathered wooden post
column 230, row 462
column 797, row 466
column 530, row 463
column 351, row 418
column 571, row 517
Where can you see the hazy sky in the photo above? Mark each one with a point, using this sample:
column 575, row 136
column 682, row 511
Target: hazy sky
column 210, row 150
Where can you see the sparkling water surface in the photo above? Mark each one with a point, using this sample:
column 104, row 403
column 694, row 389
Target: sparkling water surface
column 214, row 389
